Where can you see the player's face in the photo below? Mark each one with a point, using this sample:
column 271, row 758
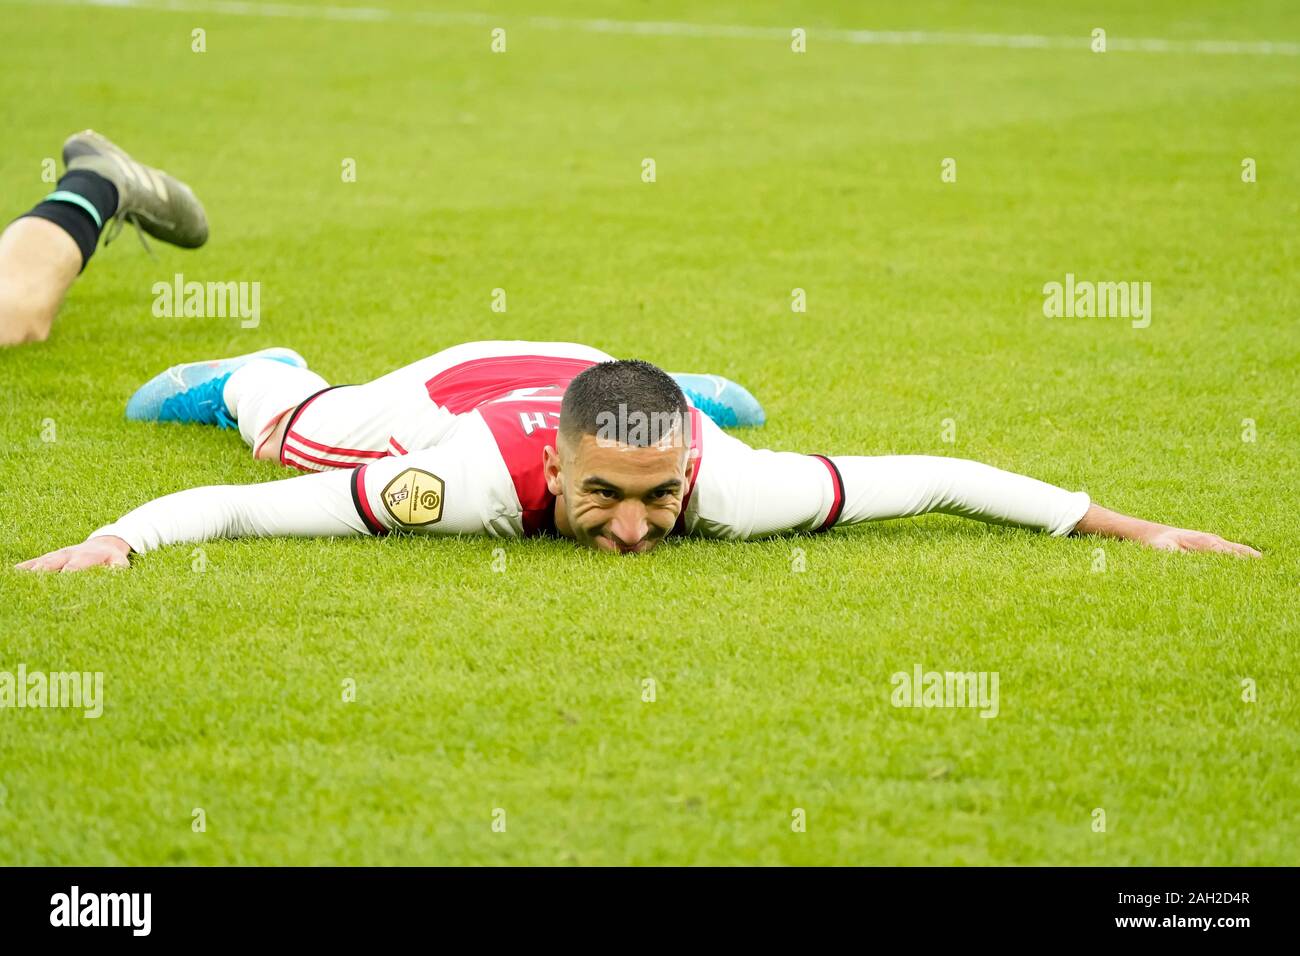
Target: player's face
column 618, row 498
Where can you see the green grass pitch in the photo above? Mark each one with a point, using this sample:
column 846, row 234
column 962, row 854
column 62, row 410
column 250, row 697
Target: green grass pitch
column 521, row 690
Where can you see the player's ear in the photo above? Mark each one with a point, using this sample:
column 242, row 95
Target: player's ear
column 551, row 470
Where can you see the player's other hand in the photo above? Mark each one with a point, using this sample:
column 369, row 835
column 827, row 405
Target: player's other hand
column 1180, row 539
column 107, row 551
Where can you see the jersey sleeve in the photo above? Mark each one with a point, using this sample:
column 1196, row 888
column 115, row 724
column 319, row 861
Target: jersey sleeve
column 315, row 505
column 446, row 489
column 744, row 492
column 439, row 490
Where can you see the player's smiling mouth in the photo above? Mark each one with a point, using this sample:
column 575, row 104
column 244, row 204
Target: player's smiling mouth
column 617, row 547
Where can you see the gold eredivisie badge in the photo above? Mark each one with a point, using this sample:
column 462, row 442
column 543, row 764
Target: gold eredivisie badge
column 414, row 498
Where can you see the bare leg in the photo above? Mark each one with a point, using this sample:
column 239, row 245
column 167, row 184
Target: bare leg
column 38, row 262
column 268, row 448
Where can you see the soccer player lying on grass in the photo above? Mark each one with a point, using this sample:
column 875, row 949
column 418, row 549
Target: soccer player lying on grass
column 43, row 251
column 512, row 439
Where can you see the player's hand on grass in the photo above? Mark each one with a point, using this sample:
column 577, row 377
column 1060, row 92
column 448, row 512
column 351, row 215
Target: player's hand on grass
column 1181, row 539
column 107, row 551
column 1103, row 521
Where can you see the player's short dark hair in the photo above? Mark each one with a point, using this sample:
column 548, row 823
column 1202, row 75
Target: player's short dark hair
column 623, row 394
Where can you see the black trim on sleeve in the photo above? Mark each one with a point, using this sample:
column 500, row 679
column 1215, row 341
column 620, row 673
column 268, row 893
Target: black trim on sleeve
column 355, row 483
column 838, row 507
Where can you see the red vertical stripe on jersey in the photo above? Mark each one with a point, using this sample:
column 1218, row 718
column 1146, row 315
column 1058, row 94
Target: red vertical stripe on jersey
column 521, row 440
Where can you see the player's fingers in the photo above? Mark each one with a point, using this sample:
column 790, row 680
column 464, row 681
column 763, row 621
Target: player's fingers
column 55, row 560
column 1242, row 550
column 46, row 562
column 1212, row 542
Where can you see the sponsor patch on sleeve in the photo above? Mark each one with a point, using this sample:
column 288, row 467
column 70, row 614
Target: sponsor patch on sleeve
column 414, row 498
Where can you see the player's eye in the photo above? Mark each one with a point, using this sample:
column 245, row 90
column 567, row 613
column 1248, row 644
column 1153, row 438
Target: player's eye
column 605, row 494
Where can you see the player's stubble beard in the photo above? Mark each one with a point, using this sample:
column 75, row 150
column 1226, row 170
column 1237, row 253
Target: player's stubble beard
column 653, row 466
column 599, row 542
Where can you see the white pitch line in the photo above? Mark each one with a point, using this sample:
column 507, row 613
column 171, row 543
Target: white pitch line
column 371, row 14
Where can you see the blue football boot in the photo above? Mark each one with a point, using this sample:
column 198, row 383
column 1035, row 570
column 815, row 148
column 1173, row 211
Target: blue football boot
column 728, row 404
column 193, row 392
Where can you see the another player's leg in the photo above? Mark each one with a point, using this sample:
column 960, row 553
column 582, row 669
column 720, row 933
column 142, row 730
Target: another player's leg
column 39, row 260
column 43, row 252
column 729, row 404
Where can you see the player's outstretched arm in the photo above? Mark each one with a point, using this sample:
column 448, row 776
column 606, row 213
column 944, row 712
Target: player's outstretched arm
column 748, row 493
column 308, row 506
column 903, row 485
column 1112, row 524
column 436, row 490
